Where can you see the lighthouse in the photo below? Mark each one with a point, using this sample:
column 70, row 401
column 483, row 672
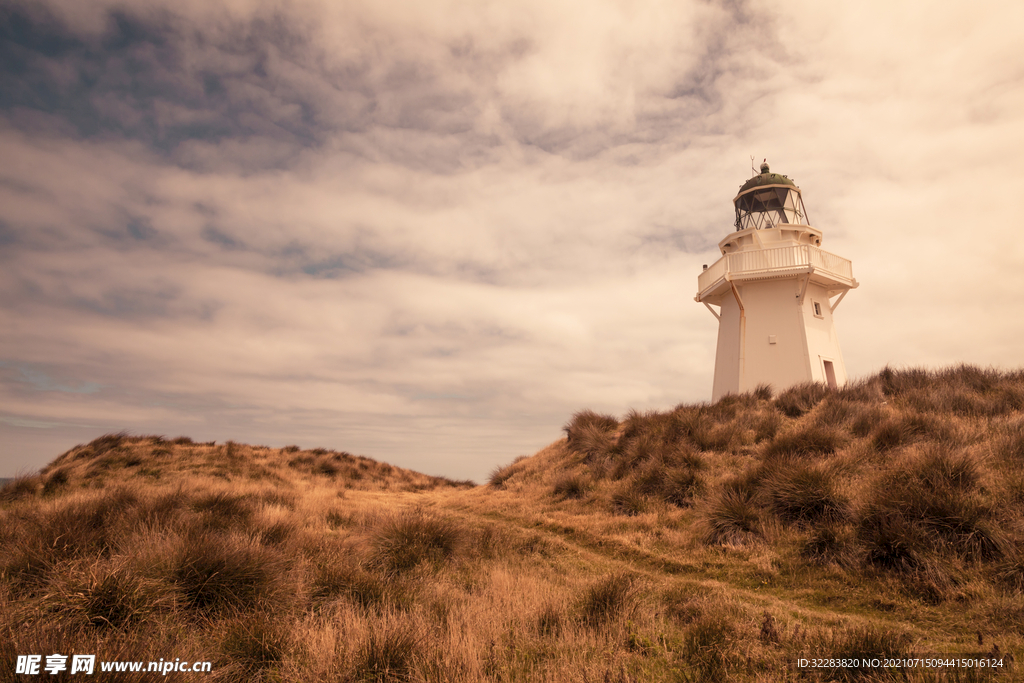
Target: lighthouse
column 776, row 291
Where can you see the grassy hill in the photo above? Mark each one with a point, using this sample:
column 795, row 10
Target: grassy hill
column 706, row 543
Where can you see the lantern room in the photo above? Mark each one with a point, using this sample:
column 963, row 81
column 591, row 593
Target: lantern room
column 768, row 200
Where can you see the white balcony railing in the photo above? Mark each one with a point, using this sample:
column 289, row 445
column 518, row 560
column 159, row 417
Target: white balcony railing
column 778, row 260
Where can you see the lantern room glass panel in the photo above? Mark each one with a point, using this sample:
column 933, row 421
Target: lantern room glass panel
column 767, row 207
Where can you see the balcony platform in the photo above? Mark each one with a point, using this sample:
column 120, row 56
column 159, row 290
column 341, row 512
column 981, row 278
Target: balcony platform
column 823, row 267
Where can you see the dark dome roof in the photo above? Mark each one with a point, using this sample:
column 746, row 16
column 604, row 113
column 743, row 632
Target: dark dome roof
column 766, row 179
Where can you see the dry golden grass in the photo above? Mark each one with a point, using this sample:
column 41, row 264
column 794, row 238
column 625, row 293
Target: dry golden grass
column 707, row 543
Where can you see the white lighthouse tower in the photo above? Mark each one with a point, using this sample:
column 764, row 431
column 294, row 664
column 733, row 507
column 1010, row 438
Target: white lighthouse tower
column 774, row 286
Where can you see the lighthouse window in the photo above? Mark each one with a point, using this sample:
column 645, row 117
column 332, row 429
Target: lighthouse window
column 817, row 309
column 769, row 206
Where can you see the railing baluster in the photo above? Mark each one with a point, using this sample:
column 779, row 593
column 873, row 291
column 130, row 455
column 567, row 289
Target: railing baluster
column 773, row 259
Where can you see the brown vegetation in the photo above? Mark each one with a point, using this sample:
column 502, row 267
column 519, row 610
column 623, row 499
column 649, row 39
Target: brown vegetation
column 706, row 543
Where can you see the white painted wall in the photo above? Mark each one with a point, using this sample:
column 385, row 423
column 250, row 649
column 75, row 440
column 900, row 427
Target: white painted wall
column 746, row 357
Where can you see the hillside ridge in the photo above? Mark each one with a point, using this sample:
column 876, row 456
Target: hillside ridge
column 709, row 542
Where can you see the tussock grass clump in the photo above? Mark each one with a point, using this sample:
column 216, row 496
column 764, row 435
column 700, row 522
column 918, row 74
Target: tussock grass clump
column 330, row 469
column 830, row 544
column 896, row 382
column 550, row 620
column 962, row 390
column 275, row 533
column 26, row 566
column 339, row 578
column 572, row 486
column 675, row 478
column 681, row 485
column 802, row 492
column 79, row 528
column 109, row 595
column 767, row 425
column 934, row 503
column 706, row 429
column 590, row 433
column 652, row 454
column 685, row 604
column 55, row 481
column 251, row 646
column 223, row 510
column 611, row 598
column 711, row 629
column 891, row 540
column 285, row 499
column 629, row 500
column 708, row 647
column 834, row 411
column 866, row 419
column 337, row 518
column 801, row 399
column 18, row 488
column 389, row 653
column 809, row 442
column 638, row 448
column 1010, row 571
column 408, row 539
column 1008, row 448
column 889, row 435
column 501, row 475
column 906, row 429
column 108, row 442
column 734, row 514
column 218, row 573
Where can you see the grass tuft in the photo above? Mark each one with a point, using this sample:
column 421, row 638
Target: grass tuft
column 707, row 647
column 408, row 539
column 800, row 492
column 252, row 646
column 808, row 442
column 572, row 486
column 25, row 486
column 219, row 574
column 629, row 500
column 609, row 599
column 501, row 475
column 829, row 545
column 388, row 653
column 801, row 399
column 111, row 596
column 108, row 442
column 550, row 621
column 589, row 432
column 734, row 514
column 339, row 578
column 933, row 504
column 56, row 481
column 1010, row 571
column 681, row 485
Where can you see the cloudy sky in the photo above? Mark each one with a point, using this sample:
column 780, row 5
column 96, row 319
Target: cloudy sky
column 429, row 232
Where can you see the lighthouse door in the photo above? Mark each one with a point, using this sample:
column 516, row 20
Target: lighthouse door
column 830, row 373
